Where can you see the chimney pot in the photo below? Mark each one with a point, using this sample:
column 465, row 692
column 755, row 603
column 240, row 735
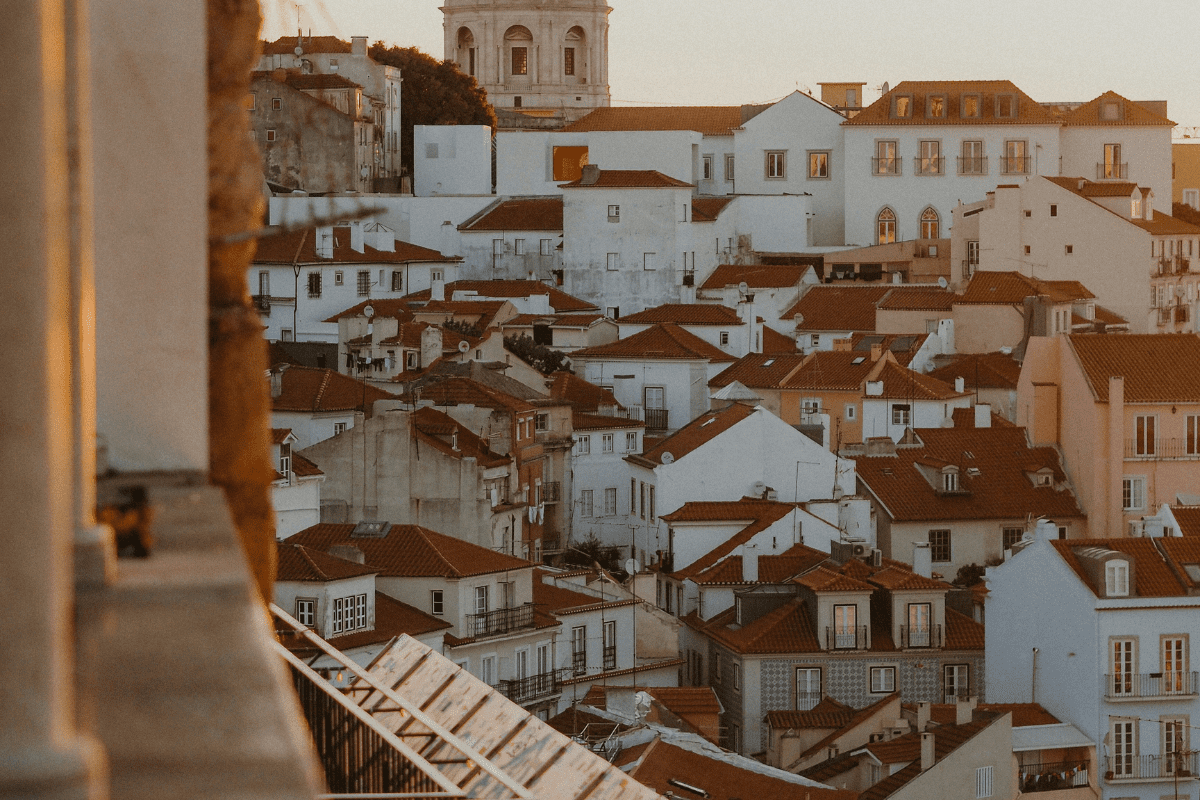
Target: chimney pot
column 928, row 754
column 590, row 175
column 960, row 384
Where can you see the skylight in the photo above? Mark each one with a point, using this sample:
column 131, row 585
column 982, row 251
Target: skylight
column 859, row 360
column 1193, row 571
column 768, row 362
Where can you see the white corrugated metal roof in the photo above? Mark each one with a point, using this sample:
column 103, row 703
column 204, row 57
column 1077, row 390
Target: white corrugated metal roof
column 1048, row 737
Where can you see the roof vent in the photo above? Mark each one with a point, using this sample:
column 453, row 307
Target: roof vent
column 590, row 175
column 371, row 529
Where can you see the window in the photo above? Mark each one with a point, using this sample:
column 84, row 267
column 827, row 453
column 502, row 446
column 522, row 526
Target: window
column 1116, row 578
column 931, row 224
column 919, row 625
column 585, row 503
column 610, row 644
column 818, row 164
column 579, row 650
column 339, row 427
column 648, row 261
column 306, row 612
column 1191, row 440
column 929, row 161
column 1133, row 493
column 935, row 106
column 631, row 442
column 735, row 676
column 606, row 442
column 583, row 445
column 983, row 781
column 276, row 103
column 487, row 670
column 1010, row 536
column 250, row 101
column 337, row 278
column 729, row 167
column 481, row 599
column 1124, row 760
column 1175, row 748
column 1015, row 161
column 1145, row 428
column 902, row 105
column 901, row 414
column 568, row 61
column 814, row 340
column 808, row 687
column 270, row 134
column 970, row 105
column 886, row 161
column 652, row 520
column 614, row 213
column 612, row 312
column 546, row 247
column 1112, row 166
column 285, row 459
column 632, row 497
column 519, row 247
column 706, row 171
column 1068, row 249
column 845, row 626
column 360, row 611
column 851, row 412
column 610, row 502
column 364, row 283
column 339, row 608
column 1006, row 106
column 776, row 164
column 520, row 61
column 286, row 335
column 955, row 679
column 939, row 545
column 1123, row 666
column 314, row 284
column 885, row 226
column 613, row 264
column 950, row 481
column 883, row 680
column 1174, row 664
column 437, row 602
column 264, row 283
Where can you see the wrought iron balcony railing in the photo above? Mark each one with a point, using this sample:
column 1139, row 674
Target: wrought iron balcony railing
column 920, row 636
column 500, row 621
column 1147, row 685
column 533, row 687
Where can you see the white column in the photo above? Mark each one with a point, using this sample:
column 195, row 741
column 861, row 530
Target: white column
column 41, row 754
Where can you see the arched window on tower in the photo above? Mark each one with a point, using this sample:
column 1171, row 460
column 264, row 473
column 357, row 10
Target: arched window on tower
column 519, row 41
column 575, row 52
column 466, row 51
column 885, row 226
column 931, row 223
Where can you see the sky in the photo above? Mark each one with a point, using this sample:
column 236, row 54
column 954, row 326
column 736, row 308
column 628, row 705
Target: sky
column 1054, row 50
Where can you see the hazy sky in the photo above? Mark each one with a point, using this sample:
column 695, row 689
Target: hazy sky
column 721, row 52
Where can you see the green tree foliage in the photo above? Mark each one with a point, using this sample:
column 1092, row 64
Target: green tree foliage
column 538, row 356
column 1185, row 213
column 432, row 93
column 591, row 552
column 463, row 327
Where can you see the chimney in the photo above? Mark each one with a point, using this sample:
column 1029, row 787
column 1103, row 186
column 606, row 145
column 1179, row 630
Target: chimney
column 431, row 345
column 874, row 388
column 750, row 563
column 963, row 706
column 923, row 710
column 983, row 415
column 358, row 45
column 277, row 380
column 356, row 236
column 876, row 352
column 590, row 175
column 383, row 239
column 922, row 559
column 279, row 75
column 324, row 242
column 349, row 552
column 960, row 384
column 437, row 291
column 927, row 751
column 1045, row 531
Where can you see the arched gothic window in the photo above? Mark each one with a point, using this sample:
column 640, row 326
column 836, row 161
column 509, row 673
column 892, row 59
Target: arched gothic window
column 885, row 226
column 931, row 224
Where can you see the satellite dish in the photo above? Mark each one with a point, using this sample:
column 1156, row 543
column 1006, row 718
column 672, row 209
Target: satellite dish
column 299, row 51
column 1180, row 291
column 364, row 172
column 369, row 311
column 942, row 283
column 743, row 287
column 631, row 566
column 885, row 88
column 667, row 458
column 463, row 346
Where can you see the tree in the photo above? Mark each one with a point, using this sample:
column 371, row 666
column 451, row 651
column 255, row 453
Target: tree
column 538, row 356
column 432, row 93
column 592, row 552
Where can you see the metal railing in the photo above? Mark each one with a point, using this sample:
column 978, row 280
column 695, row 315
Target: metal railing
column 610, row 657
column 261, row 303
column 846, row 638
column 972, row 165
column 1159, row 449
column 886, row 166
column 689, row 277
column 929, row 165
column 1052, row 775
column 806, row 700
column 655, row 419
column 1135, row 685
column 500, row 621
column 579, row 662
column 1016, row 165
column 1133, row 767
column 920, row 636
column 1111, row 172
column 533, row 687
column 551, row 491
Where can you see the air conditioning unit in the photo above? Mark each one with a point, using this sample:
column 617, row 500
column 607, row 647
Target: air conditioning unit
column 859, row 549
column 876, row 737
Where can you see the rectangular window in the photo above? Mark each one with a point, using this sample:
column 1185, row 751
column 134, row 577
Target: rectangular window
column 648, row 261
column 970, row 105
column 250, row 101
column 339, row 606
column 270, row 134
column 1116, row 579
column 360, row 611
column 568, row 61
column 983, row 782
column 1112, row 166
column 314, row 284
column 1145, row 432
column 935, row 106
column 642, row 500
column 929, row 160
column 610, row 502
column 541, row 422
column 631, row 442
column 902, row 105
column 776, row 167
column 546, row 247
column 735, row 676
column 1174, row 664
column 437, row 602
column 1191, row 440
column 901, row 414
column 971, row 162
column 583, row 445
column 481, row 599
column 1124, row 760
column 487, row 670
column 614, row 213
column 652, row 506
column 883, row 680
column 339, row 427
column 850, row 413
column 579, row 650
column 606, row 442
column 306, row 612
column 337, row 278
column 1133, row 492
column 1175, row 748
column 1015, row 161
column 808, row 687
column 276, row 103
column 613, row 264
column 1006, row 106
column 729, row 168
column 519, row 247
column 706, row 168
column 520, row 61
column 364, row 283
column 1123, row 665
column 610, row 645
column 956, row 682
column 632, row 496
column 939, row 545
column 919, row 625
column 886, row 161
column 845, row 626
column 397, row 281
column 818, row 164
column 1011, row 536
column 264, row 283
column 585, row 503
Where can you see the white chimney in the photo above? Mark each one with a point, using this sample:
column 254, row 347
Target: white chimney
column 356, row 236
column 963, row 706
column 1045, row 531
column 750, row 563
column 923, row 710
column 928, row 753
column 922, row 559
column 437, row 291
column 431, row 345
column 358, row 45
column 983, row 415
column 960, row 384
column 324, row 243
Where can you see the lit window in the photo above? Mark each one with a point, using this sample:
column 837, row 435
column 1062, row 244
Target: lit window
column 902, row 106
column 886, row 161
column 520, row 61
column 818, row 164
column 931, row 223
column 935, row 106
column 929, row 160
column 970, row 105
column 885, row 225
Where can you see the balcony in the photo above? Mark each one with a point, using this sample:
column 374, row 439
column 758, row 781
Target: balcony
column 1016, row 165
column 806, row 700
column 1151, row 768
column 886, row 166
column 1161, row 449
column 579, row 662
column 610, row 657
column 929, row 165
column 1151, row 685
column 656, row 419
column 1112, row 172
column 972, row 165
column 847, row 638
column 500, row 621
column 913, row 636
column 1053, row 776
column 534, row 687
column 551, row 491
column 261, row 303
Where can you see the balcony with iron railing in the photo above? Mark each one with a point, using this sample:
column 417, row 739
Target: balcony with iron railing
column 852, row 638
column 533, row 687
column 578, row 662
column 1166, row 767
column 920, row 636
column 806, row 700
column 1053, row 776
column 499, row 622
column 1111, row 171
column 1161, row 449
column 610, row 657
column 551, row 491
column 1016, row 165
column 886, row 166
column 972, row 165
column 655, row 419
column 1151, row 685
column 929, row 165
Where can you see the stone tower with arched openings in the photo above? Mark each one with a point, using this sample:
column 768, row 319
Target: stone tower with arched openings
column 543, row 55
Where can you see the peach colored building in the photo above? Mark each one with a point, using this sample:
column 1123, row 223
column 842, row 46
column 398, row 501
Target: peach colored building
column 1185, row 172
column 1125, row 411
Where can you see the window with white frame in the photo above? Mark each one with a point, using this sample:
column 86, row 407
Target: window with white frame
column 610, row 644
column 337, row 278
column 776, row 164
column 519, row 247
column 481, row 599
column 929, row 160
column 1175, row 664
column 808, row 687
column 729, row 167
column 631, row 442
column 845, row 626
column 883, row 680
column 1124, row 760
column 610, row 502
column 1133, row 493
column 364, row 283
column 706, row 168
column 1175, row 748
column 339, row 612
column 901, row 414
column 648, row 261
column 886, row 160
column 614, row 213
column 585, row 503
column 487, row 670
column 818, row 164
column 1122, row 665
column 1191, row 434
column 1116, row 578
column 851, row 412
column 546, row 247
column 606, row 442
column 339, row 427
column 306, row 612
column 583, row 444
column 955, row 680
column 613, row 263
column 579, row 650
column 1145, row 432
column 437, row 602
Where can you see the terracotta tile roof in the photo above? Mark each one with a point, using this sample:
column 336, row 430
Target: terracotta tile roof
column 962, row 632
column 771, row 569
column 982, row 370
column 902, row 382
column 555, row 599
column 299, row 563
column 392, row 618
column 1150, row 364
column 410, row 551
column 686, row 700
column 1029, row 111
column 572, row 722
column 893, row 578
column 596, row 422
column 459, row 391
column 286, row 45
column 408, row 334
column 828, row 713
column 707, row 209
column 826, row 580
column 1188, row 518
column 1166, row 225
column 303, row 468
column 1001, row 490
column 554, row 320
column 903, row 346
column 1184, row 553
column 584, row 396
column 711, row 568
column 747, row 509
column 1134, row 114
column 301, row 247
column 965, row 418
column 519, row 214
column 316, row 80
column 919, row 300
column 482, row 313
column 758, row 276
column 831, row 370
column 660, row 763
column 759, row 370
column 775, row 343
column 1011, row 288
column 699, row 431
column 838, row 308
column 435, row 429
column 560, row 301
column 685, row 314
column 280, row 435
column 787, row 629
column 1153, row 577
column 629, row 179
column 855, row 718
column 708, row 120
column 663, row 341
column 1109, row 317
column 1094, row 189
column 1023, row 714
column 652, row 666
column 305, row 389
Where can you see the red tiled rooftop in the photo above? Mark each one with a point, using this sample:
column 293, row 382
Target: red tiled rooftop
column 981, row 370
column 519, row 214
column 1131, row 113
column 758, row 276
column 1028, row 111
column 707, row 209
column 629, row 179
column 759, row 370
column 595, row 422
column 832, row 370
column 1157, row 368
column 709, row 120
column 306, row 389
column 583, row 395
column 838, row 308
column 1023, row 714
column 1011, row 288
column 286, row 45
column 300, row 247
column 775, row 343
column 1188, row 518
column 560, row 301
column 826, row 580
column 698, row 432
column 1152, row 576
column 299, row 563
column 902, row 382
column 662, row 341
column 685, row 314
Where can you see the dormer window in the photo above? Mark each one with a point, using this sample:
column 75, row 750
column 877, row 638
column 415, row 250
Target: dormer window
column 1006, row 106
column 902, row 106
column 970, row 105
column 935, row 106
column 285, row 459
column 1116, row 578
column 1110, row 110
column 950, row 481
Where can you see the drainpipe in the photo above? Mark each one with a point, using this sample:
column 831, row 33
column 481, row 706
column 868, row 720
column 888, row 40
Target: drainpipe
column 1033, row 679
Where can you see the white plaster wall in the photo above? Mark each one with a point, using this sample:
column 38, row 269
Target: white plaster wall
column 1146, row 149
column 597, row 471
column 525, row 160
column 297, row 506
column 685, row 384
column 310, row 428
column 673, row 153
column 476, row 249
column 462, row 165
column 775, row 224
column 877, row 414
